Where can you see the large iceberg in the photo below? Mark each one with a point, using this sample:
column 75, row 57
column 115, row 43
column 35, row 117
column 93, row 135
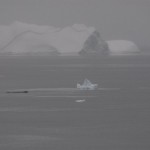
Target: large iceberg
column 22, row 38
column 122, row 47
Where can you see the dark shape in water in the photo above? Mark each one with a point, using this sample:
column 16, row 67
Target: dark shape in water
column 17, row 91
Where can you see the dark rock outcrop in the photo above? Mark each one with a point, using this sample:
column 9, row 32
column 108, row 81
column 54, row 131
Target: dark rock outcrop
column 94, row 45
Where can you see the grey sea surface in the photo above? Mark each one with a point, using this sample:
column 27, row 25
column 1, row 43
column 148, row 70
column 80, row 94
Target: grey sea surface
column 115, row 117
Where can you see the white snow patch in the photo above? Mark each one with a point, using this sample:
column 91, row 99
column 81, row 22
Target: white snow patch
column 120, row 47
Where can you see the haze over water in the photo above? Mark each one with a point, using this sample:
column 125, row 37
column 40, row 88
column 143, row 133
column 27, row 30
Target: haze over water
column 116, row 117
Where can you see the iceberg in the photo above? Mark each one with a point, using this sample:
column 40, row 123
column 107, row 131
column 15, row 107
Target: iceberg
column 87, row 85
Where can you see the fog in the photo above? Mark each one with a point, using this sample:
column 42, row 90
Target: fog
column 114, row 19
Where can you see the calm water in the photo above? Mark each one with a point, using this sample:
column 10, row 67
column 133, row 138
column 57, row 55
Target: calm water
column 109, row 120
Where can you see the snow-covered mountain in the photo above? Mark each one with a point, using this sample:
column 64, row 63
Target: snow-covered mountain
column 22, row 38
column 29, row 39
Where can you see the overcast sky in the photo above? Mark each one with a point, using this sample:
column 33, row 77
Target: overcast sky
column 115, row 19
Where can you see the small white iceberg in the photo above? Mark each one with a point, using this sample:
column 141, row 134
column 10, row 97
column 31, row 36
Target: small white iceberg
column 80, row 101
column 87, row 85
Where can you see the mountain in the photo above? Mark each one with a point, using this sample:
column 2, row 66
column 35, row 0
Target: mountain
column 21, row 38
column 29, row 39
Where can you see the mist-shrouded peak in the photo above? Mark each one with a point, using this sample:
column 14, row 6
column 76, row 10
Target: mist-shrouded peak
column 22, row 38
column 82, row 27
column 72, row 38
column 21, row 27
